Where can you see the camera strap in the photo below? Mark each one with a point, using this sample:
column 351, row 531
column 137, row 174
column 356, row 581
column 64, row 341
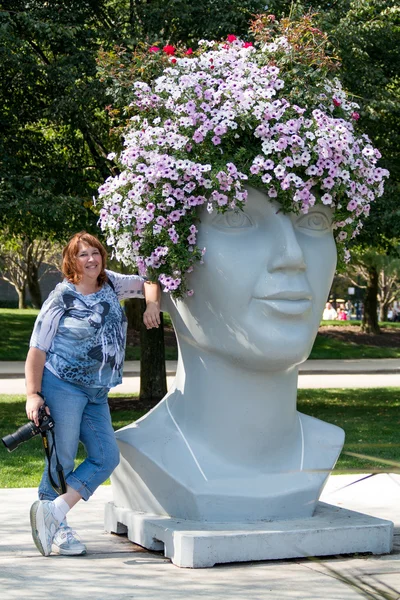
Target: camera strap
column 61, row 488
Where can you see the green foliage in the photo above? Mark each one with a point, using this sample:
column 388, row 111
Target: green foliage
column 53, row 147
column 187, row 22
column 368, row 39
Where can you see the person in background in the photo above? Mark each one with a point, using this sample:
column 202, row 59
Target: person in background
column 329, row 313
column 359, row 310
column 342, row 314
column 76, row 355
column 349, row 309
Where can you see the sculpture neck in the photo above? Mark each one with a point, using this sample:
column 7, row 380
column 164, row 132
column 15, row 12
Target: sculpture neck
column 246, row 416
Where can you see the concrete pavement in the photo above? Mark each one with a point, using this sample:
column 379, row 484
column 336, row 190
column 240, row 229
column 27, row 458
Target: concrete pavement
column 364, row 373
column 116, row 569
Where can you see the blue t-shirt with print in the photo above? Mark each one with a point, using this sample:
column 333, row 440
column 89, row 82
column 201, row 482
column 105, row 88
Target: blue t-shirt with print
column 84, row 336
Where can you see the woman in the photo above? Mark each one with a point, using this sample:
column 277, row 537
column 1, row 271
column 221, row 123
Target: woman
column 76, row 355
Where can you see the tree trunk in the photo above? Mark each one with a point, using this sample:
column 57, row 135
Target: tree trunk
column 134, row 313
column 21, row 297
column 153, row 379
column 383, row 312
column 370, row 318
column 34, row 287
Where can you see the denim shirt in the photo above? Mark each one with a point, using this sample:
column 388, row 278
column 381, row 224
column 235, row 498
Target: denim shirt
column 84, row 337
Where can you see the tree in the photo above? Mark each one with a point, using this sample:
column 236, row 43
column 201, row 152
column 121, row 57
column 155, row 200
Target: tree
column 389, row 280
column 13, row 269
column 380, row 275
column 20, row 263
column 182, row 21
column 53, row 148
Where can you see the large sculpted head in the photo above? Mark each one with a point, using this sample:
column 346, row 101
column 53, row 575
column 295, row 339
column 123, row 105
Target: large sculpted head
column 260, row 293
column 233, row 188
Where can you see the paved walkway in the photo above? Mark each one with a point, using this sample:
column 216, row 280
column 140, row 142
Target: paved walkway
column 365, row 373
column 116, row 569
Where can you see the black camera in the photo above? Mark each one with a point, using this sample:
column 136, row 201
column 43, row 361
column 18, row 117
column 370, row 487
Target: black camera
column 29, row 430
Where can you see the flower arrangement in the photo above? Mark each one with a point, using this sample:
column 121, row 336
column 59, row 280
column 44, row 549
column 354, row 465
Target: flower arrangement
column 210, row 123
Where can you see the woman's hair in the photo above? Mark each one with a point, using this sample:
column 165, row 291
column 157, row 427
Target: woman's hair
column 69, row 264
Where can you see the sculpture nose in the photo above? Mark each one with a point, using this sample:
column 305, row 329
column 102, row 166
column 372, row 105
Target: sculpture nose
column 287, row 254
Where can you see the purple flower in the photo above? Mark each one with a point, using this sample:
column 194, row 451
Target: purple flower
column 198, row 136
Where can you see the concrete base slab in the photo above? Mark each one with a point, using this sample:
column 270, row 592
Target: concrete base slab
column 332, row 530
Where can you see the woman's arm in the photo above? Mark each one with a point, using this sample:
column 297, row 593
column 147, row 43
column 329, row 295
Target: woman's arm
column 135, row 286
column 34, row 366
column 152, row 294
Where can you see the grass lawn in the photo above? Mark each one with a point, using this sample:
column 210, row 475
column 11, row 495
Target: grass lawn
column 16, row 327
column 326, row 348
column 370, row 418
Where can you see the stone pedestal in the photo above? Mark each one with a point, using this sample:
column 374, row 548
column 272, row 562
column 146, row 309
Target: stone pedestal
column 332, row 530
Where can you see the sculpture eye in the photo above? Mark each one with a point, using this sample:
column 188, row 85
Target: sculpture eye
column 314, row 222
column 233, row 220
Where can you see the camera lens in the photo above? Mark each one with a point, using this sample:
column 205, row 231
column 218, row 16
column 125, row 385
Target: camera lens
column 24, row 433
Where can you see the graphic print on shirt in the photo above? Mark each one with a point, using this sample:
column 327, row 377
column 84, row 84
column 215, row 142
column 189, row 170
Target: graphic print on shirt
column 84, row 336
column 78, row 309
column 113, row 353
column 101, row 328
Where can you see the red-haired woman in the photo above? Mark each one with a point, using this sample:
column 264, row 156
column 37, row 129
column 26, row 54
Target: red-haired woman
column 76, row 355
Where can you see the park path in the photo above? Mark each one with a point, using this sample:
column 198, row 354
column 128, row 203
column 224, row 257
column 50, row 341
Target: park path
column 360, row 373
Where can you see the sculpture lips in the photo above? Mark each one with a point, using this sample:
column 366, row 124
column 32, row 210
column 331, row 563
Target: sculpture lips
column 289, row 295
column 289, row 303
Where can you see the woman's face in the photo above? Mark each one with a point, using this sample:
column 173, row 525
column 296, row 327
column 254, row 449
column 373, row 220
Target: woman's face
column 260, row 293
column 89, row 261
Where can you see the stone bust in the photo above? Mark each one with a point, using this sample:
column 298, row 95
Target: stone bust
column 227, row 442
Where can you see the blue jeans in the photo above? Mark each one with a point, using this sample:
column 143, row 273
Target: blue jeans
column 80, row 414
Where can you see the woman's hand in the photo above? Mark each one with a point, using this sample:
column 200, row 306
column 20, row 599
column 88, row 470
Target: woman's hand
column 152, row 294
column 33, row 404
column 34, row 366
column 151, row 316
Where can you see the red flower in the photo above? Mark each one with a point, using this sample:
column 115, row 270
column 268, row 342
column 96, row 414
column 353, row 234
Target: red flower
column 231, row 38
column 169, row 50
column 355, row 116
column 173, row 60
column 154, row 49
column 336, row 102
column 189, row 51
column 247, row 45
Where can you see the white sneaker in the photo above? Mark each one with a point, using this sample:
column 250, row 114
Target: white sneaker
column 44, row 525
column 66, row 542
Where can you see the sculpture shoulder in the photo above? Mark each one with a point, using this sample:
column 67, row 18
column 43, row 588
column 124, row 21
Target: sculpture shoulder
column 323, row 442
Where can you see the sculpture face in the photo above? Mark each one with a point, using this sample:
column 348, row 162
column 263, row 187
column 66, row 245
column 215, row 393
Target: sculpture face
column 260, row 294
